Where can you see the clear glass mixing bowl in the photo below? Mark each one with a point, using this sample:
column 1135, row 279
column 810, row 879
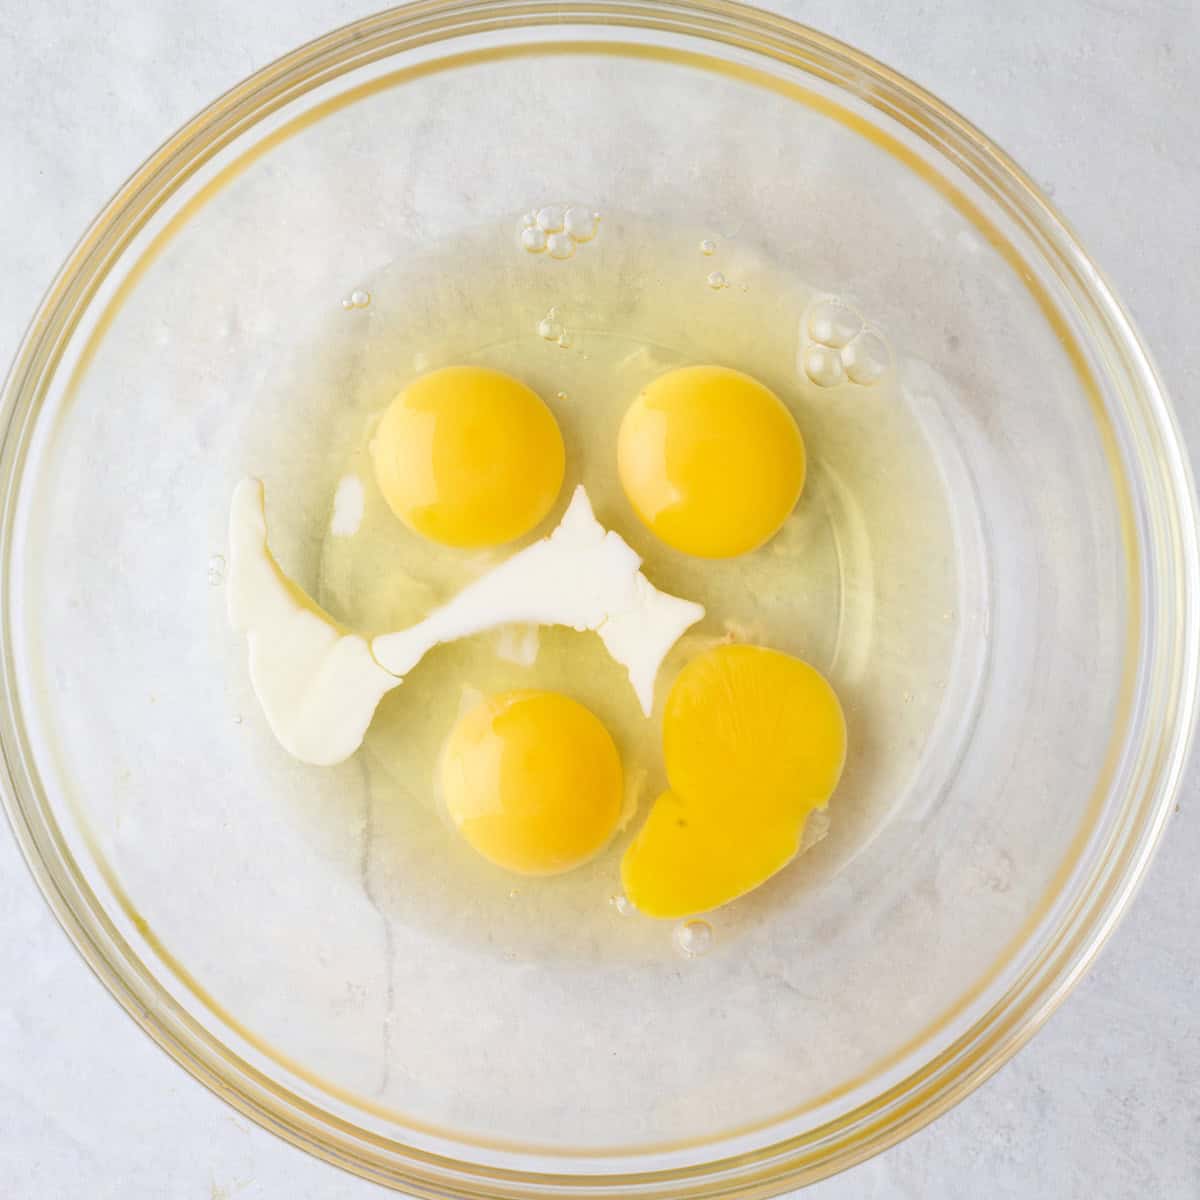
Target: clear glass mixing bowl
column 260, row 939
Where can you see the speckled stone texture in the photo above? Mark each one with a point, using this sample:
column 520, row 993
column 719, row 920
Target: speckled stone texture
column 1098, row 100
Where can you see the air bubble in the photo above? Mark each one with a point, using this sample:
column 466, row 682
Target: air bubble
column 833, row 323
column 693, row 938
column 621, row 905
column 708, row 246
column 564, row 340
column 360, row 299
column 560, row 396
column 866, row 359
column 581, row 224
column 550, row 327
column 823, row 366
column 560, row 245
column 237, row 718
column 551, row 218
column 347, row 303
column 533, row 239
column 528, row 220
column 216, row 570
column 716, row 280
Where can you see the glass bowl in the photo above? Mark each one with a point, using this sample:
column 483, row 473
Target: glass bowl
column 241, row 908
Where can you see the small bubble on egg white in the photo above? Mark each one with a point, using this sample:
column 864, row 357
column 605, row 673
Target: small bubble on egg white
column 560, row 396
column 560, row 245
column 823, row 365
column 716, row 280
column 237, row 718
column 550, row 327
column 347, row 303
column 621, row 905
column 564, row 340
column 832, row 323
column 693, row 938
column 216, row 570
column 708, row 246
column 866, row 359
column 534, row 240
column 580, row 224
column 360, row 299
column 551, row 218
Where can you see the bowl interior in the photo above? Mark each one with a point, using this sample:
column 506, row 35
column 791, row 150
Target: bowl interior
column 273, row 919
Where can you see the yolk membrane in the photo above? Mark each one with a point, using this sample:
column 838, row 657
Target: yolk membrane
column 754, row 740
column 533, row 781
column 468, row 456
column 711, row 461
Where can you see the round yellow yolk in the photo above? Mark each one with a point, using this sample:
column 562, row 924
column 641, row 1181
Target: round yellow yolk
column 468, row 457
column 533, row 781
column 754, row 741
column 711, row 461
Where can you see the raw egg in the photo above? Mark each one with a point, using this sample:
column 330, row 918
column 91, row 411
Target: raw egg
column 468, row 456
column 711, row 461
column 533, row 781
column 754, row 741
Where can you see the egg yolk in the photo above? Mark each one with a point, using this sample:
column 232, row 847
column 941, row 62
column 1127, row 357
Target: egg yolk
column 754, row 741
column 711, row 461
column 468, row 457
column 533, row 781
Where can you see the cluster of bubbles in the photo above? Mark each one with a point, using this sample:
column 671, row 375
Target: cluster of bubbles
column 556, row 229
column 835, row 347
column 356, row 299
column 551, row 329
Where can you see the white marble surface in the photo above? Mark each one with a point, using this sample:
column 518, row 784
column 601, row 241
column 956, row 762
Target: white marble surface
column 1099, row 100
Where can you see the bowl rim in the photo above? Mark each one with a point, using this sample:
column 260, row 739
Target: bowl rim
column 1173, row 585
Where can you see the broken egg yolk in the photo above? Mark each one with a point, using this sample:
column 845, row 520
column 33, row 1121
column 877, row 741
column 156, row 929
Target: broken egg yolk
column 711, row 461
column 533, row 781
column 754, row 741
column 468, row 456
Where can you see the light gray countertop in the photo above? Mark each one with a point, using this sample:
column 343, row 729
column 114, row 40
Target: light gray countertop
column 1099, row 100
